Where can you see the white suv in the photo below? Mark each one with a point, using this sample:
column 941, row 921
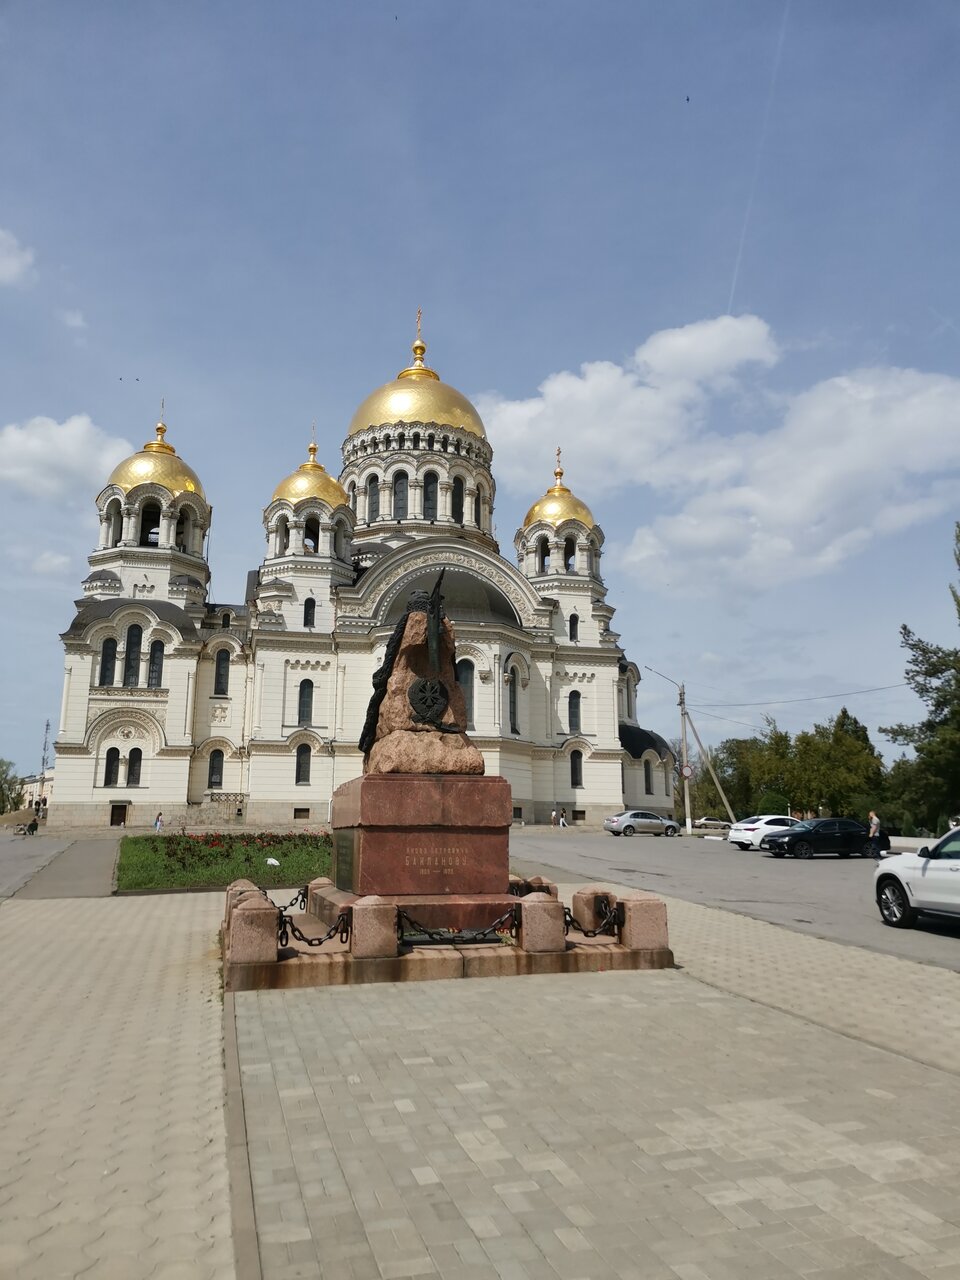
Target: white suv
column 748, row 833
column 927, row 879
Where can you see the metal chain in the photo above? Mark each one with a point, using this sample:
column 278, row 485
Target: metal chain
column 461, row 936
column 299, row 899
column 285, row 927
column 611, row 919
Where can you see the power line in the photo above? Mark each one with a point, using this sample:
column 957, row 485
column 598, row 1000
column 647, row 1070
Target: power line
column 820, row 697
column 726, row 719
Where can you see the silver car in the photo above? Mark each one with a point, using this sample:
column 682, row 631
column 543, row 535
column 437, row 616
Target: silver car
column 631, row 821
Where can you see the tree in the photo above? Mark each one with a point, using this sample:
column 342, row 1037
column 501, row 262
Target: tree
column 930, row 784
column 11, row 789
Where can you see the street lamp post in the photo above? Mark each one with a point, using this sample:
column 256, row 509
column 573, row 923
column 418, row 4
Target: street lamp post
column 685, row 770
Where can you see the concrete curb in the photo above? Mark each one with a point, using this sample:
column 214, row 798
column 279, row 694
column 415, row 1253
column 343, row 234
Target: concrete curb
column 246, row 1249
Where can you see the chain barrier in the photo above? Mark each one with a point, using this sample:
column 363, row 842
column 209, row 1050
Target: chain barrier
column 509, row 922
column 612, row 919
column 286, row 927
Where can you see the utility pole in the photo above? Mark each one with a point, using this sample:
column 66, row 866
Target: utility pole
column 685, row 770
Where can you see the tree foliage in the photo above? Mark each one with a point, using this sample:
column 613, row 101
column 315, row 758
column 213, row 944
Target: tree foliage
column 832, row 767
column 926, row 789
column 11, row 790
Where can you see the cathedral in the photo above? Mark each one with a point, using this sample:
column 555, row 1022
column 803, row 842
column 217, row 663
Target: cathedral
column 249, row 713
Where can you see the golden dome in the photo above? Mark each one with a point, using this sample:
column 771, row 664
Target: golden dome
column 311, row 480
column 157, row 463
column 559, row 504
column 417, row 395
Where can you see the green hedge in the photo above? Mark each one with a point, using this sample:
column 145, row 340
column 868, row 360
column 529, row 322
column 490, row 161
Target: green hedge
column 218, row 858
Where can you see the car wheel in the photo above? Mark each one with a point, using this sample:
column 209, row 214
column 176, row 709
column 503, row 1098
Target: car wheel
column 803, row 849
column 628, row 831
column 895, row 910
column 866, row 851
column 670, row 831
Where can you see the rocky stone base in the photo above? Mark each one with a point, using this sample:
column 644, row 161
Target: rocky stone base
column 373, row 952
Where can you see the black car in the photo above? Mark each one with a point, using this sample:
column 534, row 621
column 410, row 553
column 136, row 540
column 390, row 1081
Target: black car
column 841, row 836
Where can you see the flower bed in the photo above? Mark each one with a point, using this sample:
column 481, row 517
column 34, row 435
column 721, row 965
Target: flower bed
column 216, row 859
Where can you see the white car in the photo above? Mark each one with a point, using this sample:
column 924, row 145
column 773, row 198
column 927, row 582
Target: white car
column 927, row 879
column 748, row 833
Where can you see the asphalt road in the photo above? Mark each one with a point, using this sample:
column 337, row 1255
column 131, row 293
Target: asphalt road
column 827, row 897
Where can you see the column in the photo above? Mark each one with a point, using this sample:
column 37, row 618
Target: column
column 415, row 499
column 129, row 527
column 469, row 498
column 444, row 500
column 296, row 537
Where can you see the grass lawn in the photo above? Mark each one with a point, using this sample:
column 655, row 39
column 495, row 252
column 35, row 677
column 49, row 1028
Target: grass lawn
column 218, row 858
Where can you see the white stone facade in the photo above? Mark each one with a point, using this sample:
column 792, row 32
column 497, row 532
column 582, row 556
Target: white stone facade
column 249, row 713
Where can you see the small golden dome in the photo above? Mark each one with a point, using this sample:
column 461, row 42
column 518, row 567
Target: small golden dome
column 157, row 463
column 311, row 480
column 559, row 504
column 417, row 395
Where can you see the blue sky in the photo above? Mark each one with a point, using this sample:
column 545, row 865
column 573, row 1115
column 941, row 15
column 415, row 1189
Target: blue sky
column 707, row 248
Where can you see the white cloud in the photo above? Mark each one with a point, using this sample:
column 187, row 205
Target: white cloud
column 54, row 459
column 828, row 469
column 72, row 319
column 15, row 259
column 50, row 562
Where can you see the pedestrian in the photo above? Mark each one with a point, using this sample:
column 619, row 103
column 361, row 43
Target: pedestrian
column 158, row 823
column 874, row 835
column 563, row 817
column 553, row 817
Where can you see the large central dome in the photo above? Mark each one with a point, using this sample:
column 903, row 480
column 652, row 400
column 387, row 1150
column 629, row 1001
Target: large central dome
column 417, row 395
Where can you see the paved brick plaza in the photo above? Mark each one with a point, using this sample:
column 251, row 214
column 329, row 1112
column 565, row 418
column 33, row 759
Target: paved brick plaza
column 703, row 1122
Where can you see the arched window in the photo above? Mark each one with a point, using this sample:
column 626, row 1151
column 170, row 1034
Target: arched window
column 309, row 612
column 225, row 620
column 215, row 770
column 430, row 487
column 108, row 663
column 543, row 555
column 131, row 659
column 311, row 537
column 221, row 676
column 150, row 525
column 576, row 768
column 514, row 700
column 430, row 441
column 305, row 703
column 400, row 496
column 478, row 508
column 134, row 761
column 416, row 440
column 114, row 523
column 457, row 505
column 303, row 764
column 574, row 627
column 373, row 499
column 155, row 666
column 464, row 671
column 648, row 777
column 283, row 535
column 573, row 710
column 111, row 769
column 184, row 535
column 569, row 555
column 445, row 443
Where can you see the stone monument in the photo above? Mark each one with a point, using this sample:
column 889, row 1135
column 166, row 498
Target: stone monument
column 423, row 823
column 420, row 854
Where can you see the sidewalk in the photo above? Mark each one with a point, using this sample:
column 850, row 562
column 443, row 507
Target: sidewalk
column 707, row 1123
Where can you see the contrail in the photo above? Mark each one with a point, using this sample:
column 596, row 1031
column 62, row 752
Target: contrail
column 760, row 146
